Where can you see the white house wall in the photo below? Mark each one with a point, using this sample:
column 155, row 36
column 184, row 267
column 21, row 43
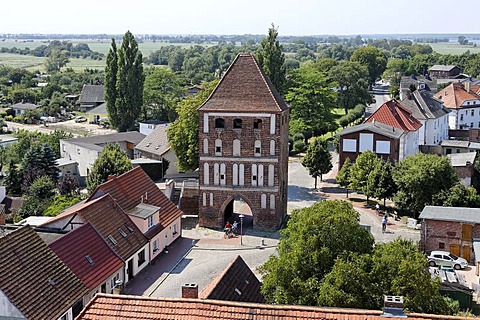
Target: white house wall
column 83, row 156
column 465, row 118
column 7, row 309
column 120, row 273
column 137, row 268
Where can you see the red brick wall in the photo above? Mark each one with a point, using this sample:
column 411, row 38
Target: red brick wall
column 435, row 232
column 213, row 216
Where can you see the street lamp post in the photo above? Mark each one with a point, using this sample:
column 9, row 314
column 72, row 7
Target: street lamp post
column 241, row 216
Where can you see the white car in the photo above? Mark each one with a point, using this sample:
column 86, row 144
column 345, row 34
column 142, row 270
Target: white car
column 446, row 258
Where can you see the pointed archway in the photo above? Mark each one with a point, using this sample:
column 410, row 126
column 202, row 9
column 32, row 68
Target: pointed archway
column 235, row 206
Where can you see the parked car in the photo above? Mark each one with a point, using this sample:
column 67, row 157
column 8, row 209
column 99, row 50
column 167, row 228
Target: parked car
column 80, row 119
column 446, row 258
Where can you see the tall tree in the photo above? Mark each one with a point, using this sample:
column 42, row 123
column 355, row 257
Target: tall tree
column 343, row 175
column 419, row 178
column 13, row 181
column 374, row 59
column 111, row 68
column 314, row 238
column 111, row 161
column 56, row 59
column 183, row 133
column 272, row 59
column 361, row 170
column 162, row 92
column 318, row 159
column 129, row 80
column 352, row 82
column 381, row 180
column 312, row 101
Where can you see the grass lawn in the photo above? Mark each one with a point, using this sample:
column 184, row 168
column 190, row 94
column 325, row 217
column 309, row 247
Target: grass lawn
column 453, row 48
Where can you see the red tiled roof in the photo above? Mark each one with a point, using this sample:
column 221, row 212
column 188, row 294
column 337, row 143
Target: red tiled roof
column 105, row 306
column 73, row 249
column 236, row 283
column 454, row 95
column 394, row 114
column 128, row 190
column 34, row 279
column 245, row 87
column 106, row 216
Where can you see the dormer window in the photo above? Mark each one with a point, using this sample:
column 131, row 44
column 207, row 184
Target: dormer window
column 237, row 124
column 257, row 124
column 219, row 123
column 150, row 221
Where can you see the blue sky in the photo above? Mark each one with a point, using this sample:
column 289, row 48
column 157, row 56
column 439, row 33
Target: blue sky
column 300, row 17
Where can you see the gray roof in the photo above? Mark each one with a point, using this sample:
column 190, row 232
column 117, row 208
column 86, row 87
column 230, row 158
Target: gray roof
column 424, row 106
column 462, row 159
column 474, row 145
column 156, row 142
column 24, row 106
column 64, row 162
column 92, row 94
column 101, row 109
column 441, row 67
column 456, row 214
column 376, row 127
column 97, row 142
column 430, row 84
column 143, row 210
column 455, row 143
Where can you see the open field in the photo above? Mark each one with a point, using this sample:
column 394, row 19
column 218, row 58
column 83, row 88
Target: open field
column 453, row 48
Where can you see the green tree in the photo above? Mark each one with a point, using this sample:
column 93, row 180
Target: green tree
column 457, row 196
column 59, row 203
column 56, row 59
column 161, row 92
column 183, row 132
column 111, row 69
column 129, row 82
column 361, row 170
column 381, row 181
column 393, row 73
column 314, row 238
column 68, row 185
column 418, row 178
column 110, row 162
column 312, row 101
column 39, row 197
column 352, row 81
column 374, row 59
column 272, row 59
column 318, row 159
column 343, row 175
column 13, row 181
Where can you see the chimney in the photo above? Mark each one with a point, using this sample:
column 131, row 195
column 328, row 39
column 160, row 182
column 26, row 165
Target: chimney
column 393, row 307
column 190, row 291
column 467, row 86
column 111, row 177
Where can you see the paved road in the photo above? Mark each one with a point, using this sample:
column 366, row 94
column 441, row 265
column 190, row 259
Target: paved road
column 380, row 94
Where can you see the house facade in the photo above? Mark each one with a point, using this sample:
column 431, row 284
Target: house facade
column 463, row 103
column 451, row 229
column 441, row 71
column 21, row 107
column 243, row 139
column 91, row 96
column 431, row 113
column 463, row 164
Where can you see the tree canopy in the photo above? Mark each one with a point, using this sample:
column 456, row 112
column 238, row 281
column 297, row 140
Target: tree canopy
column 374, row 59
column 272, row 58
column 183, row 133
column 318, row 159
column 314, row 238
column 111, row 161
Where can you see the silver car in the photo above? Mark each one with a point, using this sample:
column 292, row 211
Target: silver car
column 446, row 258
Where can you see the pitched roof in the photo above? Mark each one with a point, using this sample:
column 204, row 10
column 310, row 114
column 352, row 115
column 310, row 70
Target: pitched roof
column 236, row 283
column 375, row 127
column 130, row 188
column 100, row 109
column 156, row 142
column 106, row 306
column 462, row 159
column 24, row 106
column 92, row 94
column 74, row 248
column 442, row 67
column 245, row 88
column 393, row 114
column 456, row 214
column 455, row 143
column 423, row 106
column 98, row 142
column 34, row 279
column 108, row 218
column 454, row 95
column 430, row 84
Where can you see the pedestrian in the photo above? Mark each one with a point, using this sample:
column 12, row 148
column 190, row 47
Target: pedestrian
column 377, row 208
column 384, row 224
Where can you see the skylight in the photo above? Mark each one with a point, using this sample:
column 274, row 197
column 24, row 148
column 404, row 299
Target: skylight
column 89, row 259
column 112, row 239
column 122, row 232
column 129, row 227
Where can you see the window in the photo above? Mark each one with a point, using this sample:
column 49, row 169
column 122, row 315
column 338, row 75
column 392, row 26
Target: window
column 89, row 259
column 206, row 174
column 272, row 202
column 205, row 146
column 257, row 124
column 237, row 123
column 155, row 245
column 141, row 257
column 218, row 147
column 216, row 174
column 254, row 175
column 236, row 148
column 150, row 221
column 271, row 175
column 235, row 174
column 441, row 245
column 263, row 201
column 63, row 147
column 112, row 239
column 472, row 113
column 219, row 123
column 471, row 124
column 272, row 147
column 222, row 174
column 349, row 145
column 129, row 227
column 211, row 199
column 122, row 233
column 461, row 117
column 204, row 199
column 258, row 148
column 78, row 150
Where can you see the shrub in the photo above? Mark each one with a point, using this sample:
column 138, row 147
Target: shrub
column 298, row 137
column 8, row 118
column 299, row 145
column 18, row 119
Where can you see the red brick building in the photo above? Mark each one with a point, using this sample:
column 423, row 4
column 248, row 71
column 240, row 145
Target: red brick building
column 243, row 139
column 450, row 229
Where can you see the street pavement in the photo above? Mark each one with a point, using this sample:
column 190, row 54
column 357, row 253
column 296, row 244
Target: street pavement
column 381, row 95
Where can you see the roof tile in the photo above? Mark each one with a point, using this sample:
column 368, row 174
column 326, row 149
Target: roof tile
column 394, row 114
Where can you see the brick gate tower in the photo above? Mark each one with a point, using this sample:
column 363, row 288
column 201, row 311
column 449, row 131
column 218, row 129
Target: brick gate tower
column 243, row 140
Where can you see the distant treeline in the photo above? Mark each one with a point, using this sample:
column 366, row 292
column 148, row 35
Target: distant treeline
column 431, row 40
column 81, row 50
